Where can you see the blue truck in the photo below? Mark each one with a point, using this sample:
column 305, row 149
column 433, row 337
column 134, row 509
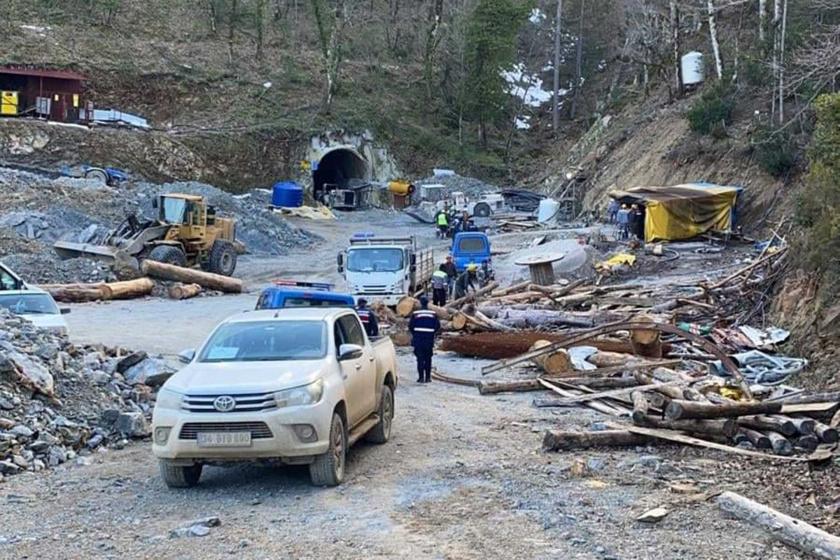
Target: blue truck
column 290, row 293
column 470, row 247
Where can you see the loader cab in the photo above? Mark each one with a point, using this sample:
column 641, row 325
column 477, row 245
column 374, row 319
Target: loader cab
column 189, row 212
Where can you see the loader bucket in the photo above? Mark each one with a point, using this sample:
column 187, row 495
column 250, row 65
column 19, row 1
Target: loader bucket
column 71, row 250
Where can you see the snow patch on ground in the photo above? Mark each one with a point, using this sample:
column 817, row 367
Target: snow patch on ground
column 526, row 86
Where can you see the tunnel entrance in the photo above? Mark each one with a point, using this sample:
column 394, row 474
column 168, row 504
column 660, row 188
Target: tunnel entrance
column 340, row 168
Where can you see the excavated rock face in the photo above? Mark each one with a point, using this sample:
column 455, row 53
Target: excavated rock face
column 59, row 401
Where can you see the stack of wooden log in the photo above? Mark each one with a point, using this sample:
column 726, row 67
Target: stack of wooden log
column 183, row 283
column 667, row 405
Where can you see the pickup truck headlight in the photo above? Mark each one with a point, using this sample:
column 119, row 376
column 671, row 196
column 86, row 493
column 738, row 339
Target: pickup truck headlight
column 169, row 400
column 298, row 396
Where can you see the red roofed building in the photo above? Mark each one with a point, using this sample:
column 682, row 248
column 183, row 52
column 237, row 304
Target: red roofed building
column 53, row 94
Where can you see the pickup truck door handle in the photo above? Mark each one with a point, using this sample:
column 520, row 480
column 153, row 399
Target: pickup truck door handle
column 371, row 359
column 358, row 366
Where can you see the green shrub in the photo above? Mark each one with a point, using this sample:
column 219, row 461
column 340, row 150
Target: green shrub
column 775, row 151
column 818, row 205
column 712, row 111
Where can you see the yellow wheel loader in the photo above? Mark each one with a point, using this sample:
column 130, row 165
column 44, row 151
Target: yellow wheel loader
column 187, row 232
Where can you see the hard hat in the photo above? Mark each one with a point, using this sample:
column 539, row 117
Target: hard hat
column 472, row 267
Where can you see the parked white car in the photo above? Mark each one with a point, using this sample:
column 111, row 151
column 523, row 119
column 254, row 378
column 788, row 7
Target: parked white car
column 33, row 304
column 295, row 386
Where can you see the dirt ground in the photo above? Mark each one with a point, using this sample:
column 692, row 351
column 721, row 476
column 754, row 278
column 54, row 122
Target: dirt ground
column 463, row 476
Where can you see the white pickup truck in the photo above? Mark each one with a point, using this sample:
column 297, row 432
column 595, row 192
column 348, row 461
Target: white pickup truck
column 294, row 386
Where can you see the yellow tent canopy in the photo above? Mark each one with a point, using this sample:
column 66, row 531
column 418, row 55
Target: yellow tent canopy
column 683, row 211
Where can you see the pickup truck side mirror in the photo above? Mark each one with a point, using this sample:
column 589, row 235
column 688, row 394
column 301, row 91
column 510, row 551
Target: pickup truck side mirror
column 186, row 356
column 340, row 261
column 64, row 310
column 349, row 352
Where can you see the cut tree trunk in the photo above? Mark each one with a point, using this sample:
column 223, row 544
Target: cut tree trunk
column 758, row 439
column 76, row 293
column 459, row 321
column 530, row 318
column 407, row 305
column 129, row 289
column 489, row 387
column 596, row 382
column 641, row 407
column 453, row 306
column 780, row 444
column 726, row 427
column 826, row 433
column 646, row 342
column 791, row 531
column 206, row 280
column 184, row 291
column 554, row 440
column 779, row 424
column 555, row 363
column 681, row 409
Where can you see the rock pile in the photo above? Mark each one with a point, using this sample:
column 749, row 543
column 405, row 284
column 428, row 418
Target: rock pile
column 39, row 210
column 59, row 401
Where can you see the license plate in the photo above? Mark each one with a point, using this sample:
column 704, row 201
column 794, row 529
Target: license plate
column 224, row 439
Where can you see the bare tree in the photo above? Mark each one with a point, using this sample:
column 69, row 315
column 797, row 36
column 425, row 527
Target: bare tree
column 212, row 15
column 675, row 43
column 233, row 20
column 555, row 100
column 578, row 63
column 330, row 37
column 762, row 20
column 782, row 64
column 259, row 22
column 710, row 8
column 432, row 42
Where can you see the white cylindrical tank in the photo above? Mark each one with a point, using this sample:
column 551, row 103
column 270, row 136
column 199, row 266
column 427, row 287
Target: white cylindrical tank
column 692, row 68
column 549, row 209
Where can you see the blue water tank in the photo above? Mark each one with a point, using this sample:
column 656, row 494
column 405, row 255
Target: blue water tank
column 287, row 193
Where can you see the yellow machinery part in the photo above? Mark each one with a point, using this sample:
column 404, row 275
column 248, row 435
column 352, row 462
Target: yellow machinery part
column 8, row 103
column 400, row 187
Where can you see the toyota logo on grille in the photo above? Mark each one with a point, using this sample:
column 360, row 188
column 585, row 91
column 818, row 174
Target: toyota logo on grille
column 224, row 403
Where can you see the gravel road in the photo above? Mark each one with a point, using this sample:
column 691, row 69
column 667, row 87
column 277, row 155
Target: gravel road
column 463, row 476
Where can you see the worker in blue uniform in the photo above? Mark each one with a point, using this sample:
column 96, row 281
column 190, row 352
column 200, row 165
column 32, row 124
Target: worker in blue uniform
column 367, row 317
column 424, row 325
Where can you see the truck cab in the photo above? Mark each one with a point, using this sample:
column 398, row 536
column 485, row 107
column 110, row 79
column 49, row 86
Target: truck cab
column 291, row 293
column 385, row 269
column 470, row 247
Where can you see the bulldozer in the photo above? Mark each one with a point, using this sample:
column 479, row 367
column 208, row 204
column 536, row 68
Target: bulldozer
column 186, row 233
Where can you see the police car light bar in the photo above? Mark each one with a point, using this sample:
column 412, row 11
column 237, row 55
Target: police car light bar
column 324, row 286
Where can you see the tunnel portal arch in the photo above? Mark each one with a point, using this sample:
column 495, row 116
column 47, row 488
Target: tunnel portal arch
column 339, row 168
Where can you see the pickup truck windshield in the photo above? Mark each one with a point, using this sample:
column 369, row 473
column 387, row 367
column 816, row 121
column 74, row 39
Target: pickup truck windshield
column 29, row 304
column 471, row 245
column 266, row 341
column 374, row 260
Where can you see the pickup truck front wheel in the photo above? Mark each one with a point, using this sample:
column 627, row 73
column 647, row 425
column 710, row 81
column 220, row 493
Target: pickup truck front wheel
column 180, row 477
column 328, row 469
column 381, row 433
